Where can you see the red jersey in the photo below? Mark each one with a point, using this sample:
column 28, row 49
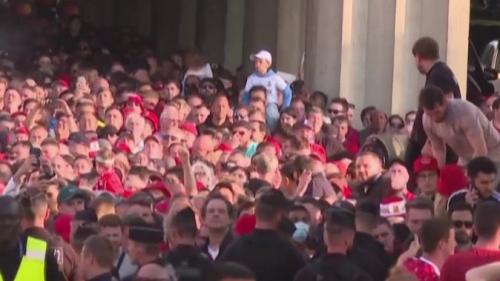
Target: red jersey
column 456, row 266
column 424, row 269
column 110, row 182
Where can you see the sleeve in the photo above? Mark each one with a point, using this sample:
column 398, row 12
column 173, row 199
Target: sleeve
column 282, row 86
column 52, row 269
column 11, row 189
column 473, row 130
column 287, row 97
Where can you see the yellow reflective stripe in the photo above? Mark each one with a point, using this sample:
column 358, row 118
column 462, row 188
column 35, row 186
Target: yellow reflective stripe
column 36, row 249
column 32, row 265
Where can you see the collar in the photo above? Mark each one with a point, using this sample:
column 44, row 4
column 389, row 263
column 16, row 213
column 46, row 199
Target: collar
column 433, row 265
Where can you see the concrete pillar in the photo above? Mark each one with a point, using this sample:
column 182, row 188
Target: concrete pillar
column 211, row 31
column 380, row 54
column 458, row 40
column 233, row 47
column 354, row 40
column 166, row 19
column 291, row 35
column 260, row 27
column 324, row 45
column 187, row 25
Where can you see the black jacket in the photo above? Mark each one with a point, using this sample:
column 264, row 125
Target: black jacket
column 375, row 190
column 228, row 238
column 332, row 267
column 370, row 255
column 190, row 263
column 270, row 256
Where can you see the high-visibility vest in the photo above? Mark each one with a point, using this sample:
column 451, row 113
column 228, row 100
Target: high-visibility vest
column 32, row 267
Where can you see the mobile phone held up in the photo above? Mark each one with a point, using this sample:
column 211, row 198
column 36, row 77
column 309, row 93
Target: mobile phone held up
column 36, row 152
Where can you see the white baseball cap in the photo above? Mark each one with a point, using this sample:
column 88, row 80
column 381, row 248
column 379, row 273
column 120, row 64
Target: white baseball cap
column 263, row 55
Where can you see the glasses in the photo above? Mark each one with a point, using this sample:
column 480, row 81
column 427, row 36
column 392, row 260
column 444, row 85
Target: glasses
column 459, row 224
column 208, row 87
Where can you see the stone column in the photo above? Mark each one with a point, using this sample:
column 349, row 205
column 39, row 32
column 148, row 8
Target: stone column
column 187, row 24
column 233, row 47
column 260, row 27
column 291, row 35
column 165, row 25
column 354, row 41
column 211, row 29
column 324, row 46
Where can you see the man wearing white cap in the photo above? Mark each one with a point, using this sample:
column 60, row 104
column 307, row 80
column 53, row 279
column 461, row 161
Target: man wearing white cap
column 266, row 77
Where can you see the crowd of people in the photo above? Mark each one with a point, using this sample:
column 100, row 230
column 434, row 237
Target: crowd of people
column 119, row 165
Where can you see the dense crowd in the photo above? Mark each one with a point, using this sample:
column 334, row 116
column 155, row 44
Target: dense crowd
column 119, row 165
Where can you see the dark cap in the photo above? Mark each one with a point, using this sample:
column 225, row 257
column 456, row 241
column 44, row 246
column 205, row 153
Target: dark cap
column 78, row 138
column 340, row 217
column 147, row 233
column 70, row 192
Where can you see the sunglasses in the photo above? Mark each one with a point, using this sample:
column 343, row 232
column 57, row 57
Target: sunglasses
column 238, row 116
column 459, row 224
column 241, row 133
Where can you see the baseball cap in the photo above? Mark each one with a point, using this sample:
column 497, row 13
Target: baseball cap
column 425, row 163
column 263, row 55
column 70, row 192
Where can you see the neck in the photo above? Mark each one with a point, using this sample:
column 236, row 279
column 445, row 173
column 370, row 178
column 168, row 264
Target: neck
column 217, row 121
column 491, row 244
column 336, row 249
column 436, row 258
column 184, row 241
column 97, row 272
column 430, row 65
column 215, row 236
column 400, row 191
column 265, row 225
column 146, row 259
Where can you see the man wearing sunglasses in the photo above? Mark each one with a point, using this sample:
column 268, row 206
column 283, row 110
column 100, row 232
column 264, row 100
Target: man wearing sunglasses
column 242, row 138
column 461, row 216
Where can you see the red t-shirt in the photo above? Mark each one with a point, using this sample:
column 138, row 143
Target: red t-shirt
column 424, row 271
column 456, row 266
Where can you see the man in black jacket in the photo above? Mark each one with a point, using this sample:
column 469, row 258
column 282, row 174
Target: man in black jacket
column 266, row 252
column 374, row 185
column 189, row 263
column 336, row 265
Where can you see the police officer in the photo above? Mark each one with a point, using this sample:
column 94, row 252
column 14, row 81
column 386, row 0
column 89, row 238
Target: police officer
column 23, row 258
column 189, row 262
column 34, row 206
column 335, row 265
